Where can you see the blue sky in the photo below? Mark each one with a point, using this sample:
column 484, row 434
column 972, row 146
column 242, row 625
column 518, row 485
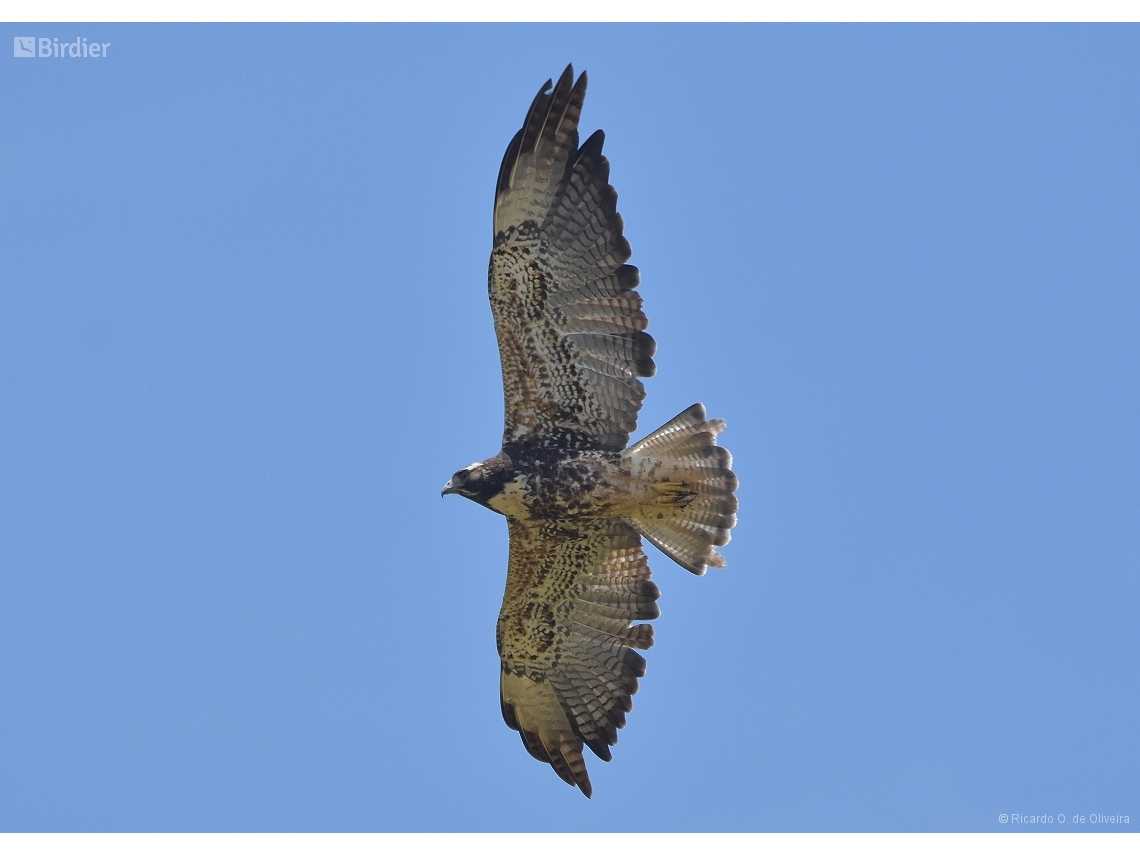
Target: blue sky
column 244, row 340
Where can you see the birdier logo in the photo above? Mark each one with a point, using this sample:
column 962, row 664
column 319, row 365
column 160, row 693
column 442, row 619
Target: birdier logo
column 30, row 46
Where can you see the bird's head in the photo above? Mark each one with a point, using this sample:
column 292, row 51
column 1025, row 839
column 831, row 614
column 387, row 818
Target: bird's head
column 480, row 482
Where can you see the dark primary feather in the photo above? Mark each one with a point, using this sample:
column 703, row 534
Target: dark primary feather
column 571, row 331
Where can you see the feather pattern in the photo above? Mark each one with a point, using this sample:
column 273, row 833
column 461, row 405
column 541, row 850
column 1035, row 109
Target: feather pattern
column 566, row 636
column 571, row 331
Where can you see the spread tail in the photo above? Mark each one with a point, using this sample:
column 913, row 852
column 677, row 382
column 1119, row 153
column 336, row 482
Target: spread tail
column 686, row 486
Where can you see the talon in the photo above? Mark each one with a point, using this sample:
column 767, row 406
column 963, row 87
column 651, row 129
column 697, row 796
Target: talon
column 674, row 493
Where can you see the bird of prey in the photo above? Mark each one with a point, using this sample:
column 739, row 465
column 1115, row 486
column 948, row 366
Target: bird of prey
column 572, row 343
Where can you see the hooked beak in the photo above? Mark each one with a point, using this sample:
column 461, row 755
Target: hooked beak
column 447, row 488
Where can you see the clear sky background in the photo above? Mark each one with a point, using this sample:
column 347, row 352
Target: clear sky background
column 244, row 340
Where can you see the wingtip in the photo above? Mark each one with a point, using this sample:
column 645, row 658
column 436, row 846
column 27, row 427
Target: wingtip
column 579, row 83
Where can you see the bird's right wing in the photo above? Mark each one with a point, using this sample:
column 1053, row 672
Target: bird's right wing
column 566, row 640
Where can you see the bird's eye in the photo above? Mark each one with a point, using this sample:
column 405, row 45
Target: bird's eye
column 461, row 475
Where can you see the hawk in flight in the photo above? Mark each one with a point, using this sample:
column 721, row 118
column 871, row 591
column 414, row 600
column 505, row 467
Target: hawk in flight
column 573, row 344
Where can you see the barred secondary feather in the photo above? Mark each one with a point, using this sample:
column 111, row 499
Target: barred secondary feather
column 573, row 347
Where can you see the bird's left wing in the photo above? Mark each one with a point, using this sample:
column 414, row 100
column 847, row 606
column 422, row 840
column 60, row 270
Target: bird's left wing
column 571, row 331
column 566, row 640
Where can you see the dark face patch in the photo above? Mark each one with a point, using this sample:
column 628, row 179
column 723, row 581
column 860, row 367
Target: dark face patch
column 483, row 481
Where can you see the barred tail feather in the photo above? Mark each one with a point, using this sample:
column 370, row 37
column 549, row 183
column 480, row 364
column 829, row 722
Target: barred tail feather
column 686, row 485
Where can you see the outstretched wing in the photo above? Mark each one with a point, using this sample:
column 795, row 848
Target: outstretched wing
column 571, row 331
column 564, row 635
